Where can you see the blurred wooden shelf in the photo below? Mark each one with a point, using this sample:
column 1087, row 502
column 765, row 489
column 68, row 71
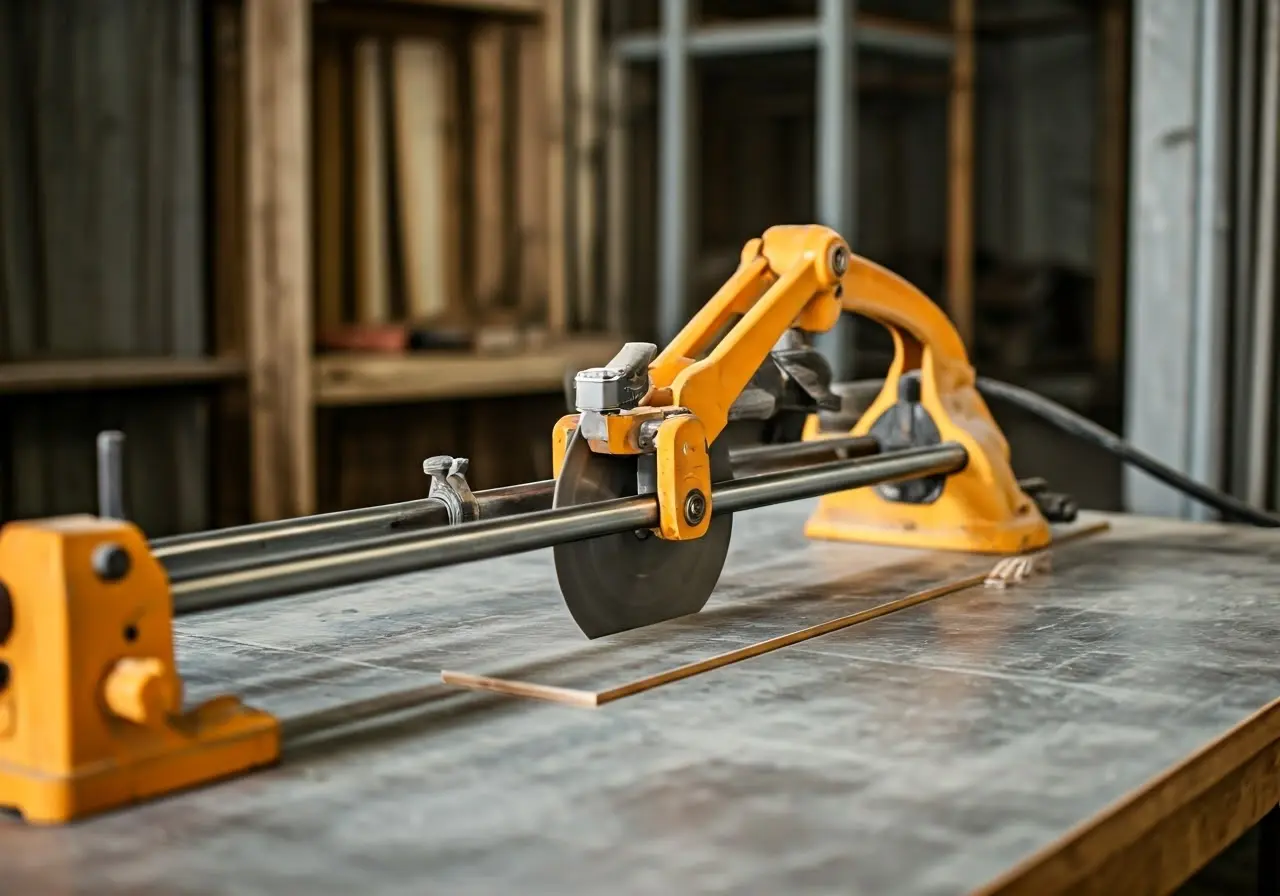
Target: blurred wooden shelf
column 346, row 379
column 484, row 7
column 93, row 375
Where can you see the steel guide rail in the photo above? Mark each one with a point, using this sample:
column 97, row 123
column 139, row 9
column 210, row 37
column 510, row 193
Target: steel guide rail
column 200, row 554
column 311, row 567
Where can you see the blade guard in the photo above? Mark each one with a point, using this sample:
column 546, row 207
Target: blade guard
column 981, row 508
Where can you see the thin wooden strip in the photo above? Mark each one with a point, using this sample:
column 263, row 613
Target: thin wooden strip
column 649, row 682
column 513, row 688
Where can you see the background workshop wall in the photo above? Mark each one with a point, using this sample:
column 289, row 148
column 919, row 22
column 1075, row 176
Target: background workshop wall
column 103, row 267
column 1201, row 379
column 123, row 216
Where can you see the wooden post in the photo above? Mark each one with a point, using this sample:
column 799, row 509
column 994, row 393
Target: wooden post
column 277, row 35
column 960, row 174
column 1111, row 204
column 557, row 263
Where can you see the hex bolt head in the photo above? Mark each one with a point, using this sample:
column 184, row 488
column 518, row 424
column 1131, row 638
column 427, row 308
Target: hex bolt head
column 839, row 260
column 111, row 562
column 695, row 507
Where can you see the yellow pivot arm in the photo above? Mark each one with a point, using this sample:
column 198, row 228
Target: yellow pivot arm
column 672, row 407
column 788, row 278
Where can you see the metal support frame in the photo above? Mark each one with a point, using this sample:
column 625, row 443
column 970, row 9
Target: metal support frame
column 1178, row 254
column 674, row 163
column 836, row 166
column 835, row 39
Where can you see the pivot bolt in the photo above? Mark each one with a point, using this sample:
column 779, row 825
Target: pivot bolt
column 6, row 614
column 111, row 562
column 839, row 260
column 695, row 507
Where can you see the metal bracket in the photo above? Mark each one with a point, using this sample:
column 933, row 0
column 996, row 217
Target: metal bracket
column 620, row 384
column 450, row 488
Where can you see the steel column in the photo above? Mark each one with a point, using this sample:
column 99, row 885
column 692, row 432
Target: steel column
column 836, row 163
column 1175, row 325
column 674, row 162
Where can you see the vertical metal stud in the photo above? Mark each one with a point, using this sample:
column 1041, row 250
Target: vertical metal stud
column 1211, row 253
column 674, row 232
column 111, row 475
column 836, row 163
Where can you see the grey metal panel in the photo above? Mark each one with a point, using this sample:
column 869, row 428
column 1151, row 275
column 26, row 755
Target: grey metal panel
column 925, row 752
column 1263, row 373
column 836, row 166
column 1243, row 226
column 1211, row 251
column 674, row 163
column 777, row 36
column 1162, row 269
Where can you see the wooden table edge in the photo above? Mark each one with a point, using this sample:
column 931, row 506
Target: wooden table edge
column 1156, row 837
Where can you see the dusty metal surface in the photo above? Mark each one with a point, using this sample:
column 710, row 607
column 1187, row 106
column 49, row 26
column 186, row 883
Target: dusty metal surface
column 926, row 751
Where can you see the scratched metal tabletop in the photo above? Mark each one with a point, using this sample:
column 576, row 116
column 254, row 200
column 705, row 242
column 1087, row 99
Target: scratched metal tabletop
column 926, row 751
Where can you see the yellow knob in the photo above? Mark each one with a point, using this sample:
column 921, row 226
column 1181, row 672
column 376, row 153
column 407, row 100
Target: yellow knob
column 141, row 690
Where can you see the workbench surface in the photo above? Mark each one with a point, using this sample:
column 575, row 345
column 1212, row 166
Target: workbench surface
column 984, row 735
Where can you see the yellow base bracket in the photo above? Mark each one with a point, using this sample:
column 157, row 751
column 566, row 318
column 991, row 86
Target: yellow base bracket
column 91, row 715
column 928, row 397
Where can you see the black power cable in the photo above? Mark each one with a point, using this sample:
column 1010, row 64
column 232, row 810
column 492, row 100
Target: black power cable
column 1073, row 424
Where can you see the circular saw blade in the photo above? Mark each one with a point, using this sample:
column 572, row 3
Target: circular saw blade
column 619, row 582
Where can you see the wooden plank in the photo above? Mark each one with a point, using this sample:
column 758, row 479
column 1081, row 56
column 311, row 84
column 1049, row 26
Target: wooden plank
column 618, row 231
column 330, row 183
column 230, row 476
column 531, row 173
column 372, row 246
column 19, row 261
column 125, row 239
column 585, row 191
column 422, row 91
column 355, row 379
column 1113, row 145
column 62, row 80
column 489, row 220
column 185, row 216
column 186, row 424
column 105, row 374
column 277, row 35
column 152, row 323
column 557, row 261
column 517, row 7
column 960, row 174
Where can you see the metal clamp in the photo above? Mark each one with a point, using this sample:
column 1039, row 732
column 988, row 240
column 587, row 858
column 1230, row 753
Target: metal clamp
column 449, row 487
column 620, row 384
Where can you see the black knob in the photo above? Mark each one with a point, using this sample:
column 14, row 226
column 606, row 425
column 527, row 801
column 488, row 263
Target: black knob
column 909, row 387
column 111, row 562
